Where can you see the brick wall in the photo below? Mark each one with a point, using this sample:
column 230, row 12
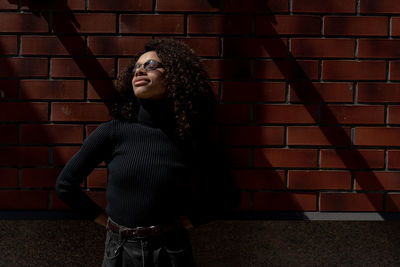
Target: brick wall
column 308, row 92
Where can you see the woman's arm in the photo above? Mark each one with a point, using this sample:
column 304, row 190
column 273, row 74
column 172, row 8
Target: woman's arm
column 95, row 149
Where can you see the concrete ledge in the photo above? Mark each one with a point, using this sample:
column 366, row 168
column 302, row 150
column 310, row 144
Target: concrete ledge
column 311, row 216
column 220, row 243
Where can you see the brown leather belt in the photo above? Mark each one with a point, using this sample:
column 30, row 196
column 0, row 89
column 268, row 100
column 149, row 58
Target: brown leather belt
column 139, row 232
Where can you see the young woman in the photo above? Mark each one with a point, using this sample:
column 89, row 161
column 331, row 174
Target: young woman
column 152, row 149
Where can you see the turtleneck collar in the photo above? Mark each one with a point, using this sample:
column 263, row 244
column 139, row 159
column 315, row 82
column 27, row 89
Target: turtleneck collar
column 154, row 113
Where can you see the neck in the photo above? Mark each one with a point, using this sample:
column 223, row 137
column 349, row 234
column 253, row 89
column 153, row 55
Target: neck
column 154, row 113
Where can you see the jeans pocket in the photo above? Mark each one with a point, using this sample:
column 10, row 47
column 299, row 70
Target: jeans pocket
column 181, row 258
column 179, row 249
column 112, row 249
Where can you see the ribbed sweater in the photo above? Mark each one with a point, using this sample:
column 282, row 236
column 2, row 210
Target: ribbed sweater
column 147, row 169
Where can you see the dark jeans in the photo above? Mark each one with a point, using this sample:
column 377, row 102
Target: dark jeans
column 170, row 249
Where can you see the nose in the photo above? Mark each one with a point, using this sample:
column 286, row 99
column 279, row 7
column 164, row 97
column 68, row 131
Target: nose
column 139, row 70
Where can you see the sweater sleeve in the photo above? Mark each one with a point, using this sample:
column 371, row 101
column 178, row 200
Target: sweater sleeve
column 95, row 149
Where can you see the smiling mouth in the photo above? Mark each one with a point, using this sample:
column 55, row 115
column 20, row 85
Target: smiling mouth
column 141, row 82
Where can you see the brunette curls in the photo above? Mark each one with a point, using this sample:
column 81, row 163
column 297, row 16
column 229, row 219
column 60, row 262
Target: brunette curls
column 188, row 93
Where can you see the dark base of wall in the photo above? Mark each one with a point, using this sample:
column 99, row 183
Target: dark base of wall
column 221, row 243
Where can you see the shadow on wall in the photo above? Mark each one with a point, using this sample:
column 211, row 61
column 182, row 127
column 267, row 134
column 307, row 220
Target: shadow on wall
column 304, row 92
column 61, row 20
column 291, row 70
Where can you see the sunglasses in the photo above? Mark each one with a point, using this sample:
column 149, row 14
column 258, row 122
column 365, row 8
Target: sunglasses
column 147, row 66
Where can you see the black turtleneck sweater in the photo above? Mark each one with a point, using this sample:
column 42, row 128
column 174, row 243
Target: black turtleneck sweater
column 147, row 169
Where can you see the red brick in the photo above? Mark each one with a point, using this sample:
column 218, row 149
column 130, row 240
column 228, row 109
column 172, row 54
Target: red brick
column 52, row 89
column 90, row 128
column 370, row 48
column 351, row 202
column 23, row 67
column 353, row 70
column 116, row 45
column 215, row 88
column 341, row 114
column 394, row 70
column 253, row 91
column 187, row 6
column 22, row 23
column 308, row 92
column 99, row 197
column 31, row 111
column 393, row 202
column 288, row 25
column 395, row 26
column 279, row 157
column 228, row 69
column 352, row 159
column 244, row 201
column 285, row 113
column 377, row 180
column 24, row 155
column 313, row 47
column 154, row 24
column 82, row 67
column 52, row 45
column 85, row 23
column 382, row 6
column 61, row 155
column 219, row 24
column 51, row 134
column 394, row 114
column 24, row 200
column 98, row 178
column 285, row 201
column 254, row 47
column 58, row 204
column 54, row 5
column 138, row 5
column 39, row 178
column 377, row 136
column 8, row 89
column 356, row 26
column 203, row 46
column 239, row 157
column 79, row 112
column 8, row 45
column 318, row 136
column 259, row 179
column 98, row 89
column 5, row 4
column 123, row 63
column 252, row 135
column 8, row 177
column 393, row 159
column 233, row 113
column 327, row 6
column 319, row 180
column 378, row 92
column 286, row 69
column 259, row 6
column 8, row 133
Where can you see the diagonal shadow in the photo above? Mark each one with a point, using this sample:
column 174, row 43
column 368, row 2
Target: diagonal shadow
column 89, row 65
column 274, row 191
column 305, row 90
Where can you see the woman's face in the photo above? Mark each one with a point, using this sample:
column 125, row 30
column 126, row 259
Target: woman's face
column 147, row 81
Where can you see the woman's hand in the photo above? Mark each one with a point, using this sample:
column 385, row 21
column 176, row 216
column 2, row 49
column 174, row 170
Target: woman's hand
column 102, row 219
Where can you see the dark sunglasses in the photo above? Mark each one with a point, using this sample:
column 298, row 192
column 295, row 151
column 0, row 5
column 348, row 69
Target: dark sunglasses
column 147, row 66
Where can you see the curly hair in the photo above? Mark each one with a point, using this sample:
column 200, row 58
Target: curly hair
column 188, row 93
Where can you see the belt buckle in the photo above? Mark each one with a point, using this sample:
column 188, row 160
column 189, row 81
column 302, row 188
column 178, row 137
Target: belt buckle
column 145, row 231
